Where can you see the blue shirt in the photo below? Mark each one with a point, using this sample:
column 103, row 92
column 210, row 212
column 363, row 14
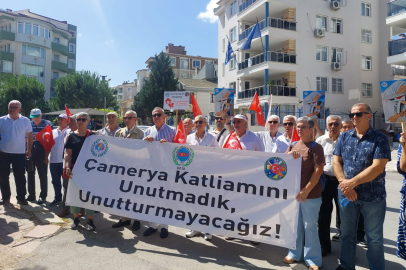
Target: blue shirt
column 166, row 132
column 41, row 126
column 90, row 125
column 358, row 154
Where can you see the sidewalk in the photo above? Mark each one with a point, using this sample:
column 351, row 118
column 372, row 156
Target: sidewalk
column 58, row 247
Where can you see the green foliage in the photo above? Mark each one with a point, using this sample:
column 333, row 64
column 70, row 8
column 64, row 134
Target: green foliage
column 27, row 90
column 120, row 120
column 161, row 78
column 82, row 89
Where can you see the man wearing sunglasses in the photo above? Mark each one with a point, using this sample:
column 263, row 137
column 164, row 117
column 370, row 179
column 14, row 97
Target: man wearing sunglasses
column 223, row 128
column 283, row 142
column 360, row 157
column 329, row 142
column 159, row 132
column 269, row 137
column 112, row 125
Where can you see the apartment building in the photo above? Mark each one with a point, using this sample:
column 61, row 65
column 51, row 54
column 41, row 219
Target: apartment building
column 37, row 46
column 125, row 94
column 338, row 46
column 396, row 20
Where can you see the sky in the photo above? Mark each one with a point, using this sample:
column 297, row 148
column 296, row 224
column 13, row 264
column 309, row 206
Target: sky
column 115, row 38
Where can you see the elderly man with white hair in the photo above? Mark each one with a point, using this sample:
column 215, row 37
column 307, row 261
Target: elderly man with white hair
column 112, row 125
column 269, row 137
column 189, row 126
column 201, row 137
column 283, row 142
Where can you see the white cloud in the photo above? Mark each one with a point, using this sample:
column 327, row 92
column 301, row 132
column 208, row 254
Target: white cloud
column 80, row 34
column 111, row 41
column 208, row 15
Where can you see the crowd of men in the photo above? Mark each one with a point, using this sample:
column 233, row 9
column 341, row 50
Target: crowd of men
column 351, row 155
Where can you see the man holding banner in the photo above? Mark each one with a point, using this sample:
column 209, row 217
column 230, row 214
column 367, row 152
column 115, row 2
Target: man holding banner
column 160, row 132
column 283, row 142
column 269, row 137
column 247, row 139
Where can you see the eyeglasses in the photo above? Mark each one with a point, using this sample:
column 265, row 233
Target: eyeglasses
column 199, row 122
column 288, row 124
column 129, row 117
column 81, row 119
column 157, row 115
column 14, row 108
column 237, row 121
column 273, row 122
column 333, row 124
column 218, row 118
column 358, row 114
column 302, row 127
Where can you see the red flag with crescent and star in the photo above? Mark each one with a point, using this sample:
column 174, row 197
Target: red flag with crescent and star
column 68, row 113
column 180, row 136
column 232, row 142
column 295, row 136
column 256, row 106
column 46, row 138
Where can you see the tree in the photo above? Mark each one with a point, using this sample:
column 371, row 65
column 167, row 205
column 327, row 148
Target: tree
column 82, row 89
column 27, row 90
column 161, row 78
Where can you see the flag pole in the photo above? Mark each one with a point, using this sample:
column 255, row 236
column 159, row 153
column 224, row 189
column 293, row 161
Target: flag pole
column 263, row 48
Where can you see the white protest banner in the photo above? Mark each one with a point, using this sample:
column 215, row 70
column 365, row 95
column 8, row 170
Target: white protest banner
column 394, row 100
column 242, row 194
column 178, row 100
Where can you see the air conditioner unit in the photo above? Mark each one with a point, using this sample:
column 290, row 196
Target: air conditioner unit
column 336, row 66
column 335, row 5
column 319, row 32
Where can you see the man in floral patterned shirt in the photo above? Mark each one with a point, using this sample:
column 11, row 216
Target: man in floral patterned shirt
column 359, row 165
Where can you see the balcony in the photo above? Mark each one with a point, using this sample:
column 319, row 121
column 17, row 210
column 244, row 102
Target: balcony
column 270, row 57
column 272, row 22
column 275, row 90
column 60, row 48
column 399, row 71
column 59, row 66
column 246, row 4
column 397, row 16
column 396, row 7
column 7, row 56
column 6, row 35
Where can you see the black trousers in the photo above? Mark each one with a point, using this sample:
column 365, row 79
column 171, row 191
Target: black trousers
column 17, row 161
column 329, row 195
column 38, row 154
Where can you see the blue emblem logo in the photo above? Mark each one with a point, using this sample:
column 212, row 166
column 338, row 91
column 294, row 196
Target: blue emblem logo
column 275, row 168
column 182, row 156
column 99, row 148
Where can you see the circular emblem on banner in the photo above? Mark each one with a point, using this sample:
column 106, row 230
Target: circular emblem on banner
column 99, row 148
column 384, row 84
column 275, row 168
column 182, row 156
column 167, row 94
column 187, row 94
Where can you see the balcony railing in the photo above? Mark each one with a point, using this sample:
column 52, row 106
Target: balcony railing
column 395, row 8
column 272, row 22
column 7, row 35
column 246, row 4
column 276, row 90
column 270, row 57
column 398, row 70
column 397, row 47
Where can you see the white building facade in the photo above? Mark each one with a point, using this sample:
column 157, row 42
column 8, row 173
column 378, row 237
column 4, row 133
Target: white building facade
column 336, row 46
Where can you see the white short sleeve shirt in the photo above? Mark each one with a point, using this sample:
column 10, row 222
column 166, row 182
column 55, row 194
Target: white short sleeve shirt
column 207, row 140
column 328, row 147
column 250, row 141
column 13, row 133
column 57, row 151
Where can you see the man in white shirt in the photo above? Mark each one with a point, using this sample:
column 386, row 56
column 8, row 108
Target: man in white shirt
column 329, row 142
column 283, row 142
column 13, row 129
column 223, row 128
column 56, row 159
column 201, row 137
column 269, row 137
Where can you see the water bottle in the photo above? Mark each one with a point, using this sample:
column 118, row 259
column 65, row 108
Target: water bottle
column 344, row 202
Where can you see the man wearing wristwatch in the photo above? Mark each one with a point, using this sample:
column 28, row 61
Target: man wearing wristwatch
column 223, row 128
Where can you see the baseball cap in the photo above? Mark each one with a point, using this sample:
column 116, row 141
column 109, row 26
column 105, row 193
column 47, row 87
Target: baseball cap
column 35, row 113
column 63, row 116
column 240, row 116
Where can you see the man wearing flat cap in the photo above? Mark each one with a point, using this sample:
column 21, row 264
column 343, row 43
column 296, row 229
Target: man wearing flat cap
column 112, row 125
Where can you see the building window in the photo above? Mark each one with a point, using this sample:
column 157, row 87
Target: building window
column 184, row 64
column 73, row 33
column 233, row 34
column 33, row 51
column 322, row 84
column 31, row 70
column 71, row 64
column 28, row 28
column 336, row 55
column 321, row 53
column 211, row 97
column 56, row 57
column 224, row 44
column 55, row 75
column 20, row 27
column 35, row 29
column 366, row 62
column 321, row 22
column 233, row 8
column 71, row 48
column 337, row 26
column 366, row 36
column 367, row 89
column 6, row 66
column 56, row 40
column 337, row 85
column 233, row 62
column 129, row 89
column 196, row 63
column 366, row 9
column 47, row 34
column 173, row 61
column 184, row 75
column 232, row 85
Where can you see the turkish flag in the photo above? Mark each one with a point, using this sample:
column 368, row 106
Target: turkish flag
column 46, row 138
column 295, row 136
column 256, row 106
column 232, row 142
column 196, row 109
column 68, row 113
column 180, row 136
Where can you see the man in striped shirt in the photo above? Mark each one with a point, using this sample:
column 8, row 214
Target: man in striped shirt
column 269, row 137
column 39, row 158
column 160, row 132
